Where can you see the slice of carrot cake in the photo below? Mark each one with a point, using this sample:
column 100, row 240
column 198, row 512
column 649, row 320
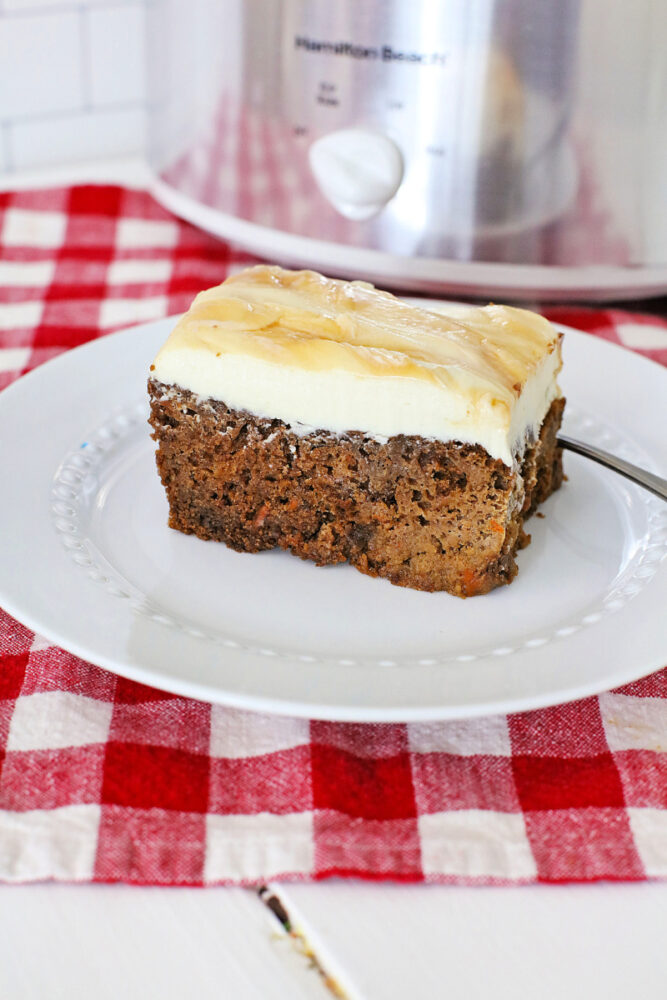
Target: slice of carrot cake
column 336, row 421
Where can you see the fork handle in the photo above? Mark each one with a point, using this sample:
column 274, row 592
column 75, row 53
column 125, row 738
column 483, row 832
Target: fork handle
column 656, row 484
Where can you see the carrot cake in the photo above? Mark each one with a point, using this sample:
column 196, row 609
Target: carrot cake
column 336, row 421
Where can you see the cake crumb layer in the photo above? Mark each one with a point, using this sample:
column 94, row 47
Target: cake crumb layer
column 425, row 514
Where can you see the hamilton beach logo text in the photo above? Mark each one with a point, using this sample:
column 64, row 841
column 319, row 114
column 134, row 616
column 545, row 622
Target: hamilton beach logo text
column 385, row 53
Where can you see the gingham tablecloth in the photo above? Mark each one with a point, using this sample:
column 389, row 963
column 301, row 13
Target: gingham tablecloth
column 102, row 779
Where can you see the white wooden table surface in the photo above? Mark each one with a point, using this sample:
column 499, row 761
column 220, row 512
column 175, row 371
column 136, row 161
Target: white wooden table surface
column 376, row 942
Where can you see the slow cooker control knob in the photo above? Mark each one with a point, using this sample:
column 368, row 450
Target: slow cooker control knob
column 357, row 170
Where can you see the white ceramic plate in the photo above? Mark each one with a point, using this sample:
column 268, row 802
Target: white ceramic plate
column 87, row 561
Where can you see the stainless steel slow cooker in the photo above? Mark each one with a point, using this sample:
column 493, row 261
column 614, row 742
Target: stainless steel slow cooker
column 485, row 147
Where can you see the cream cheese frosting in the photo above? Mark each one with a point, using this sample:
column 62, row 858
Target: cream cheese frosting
column 343, row 356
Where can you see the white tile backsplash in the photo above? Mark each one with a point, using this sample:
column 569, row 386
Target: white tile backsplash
column 40, row 64
column 78, row 137
column 38, row 6
column 72, row 80
column 116, row 55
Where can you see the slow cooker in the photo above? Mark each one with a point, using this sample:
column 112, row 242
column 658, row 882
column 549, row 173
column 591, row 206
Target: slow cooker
column 484, row 147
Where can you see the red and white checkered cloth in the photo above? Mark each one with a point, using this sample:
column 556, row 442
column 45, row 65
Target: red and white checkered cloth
column 103, row 779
